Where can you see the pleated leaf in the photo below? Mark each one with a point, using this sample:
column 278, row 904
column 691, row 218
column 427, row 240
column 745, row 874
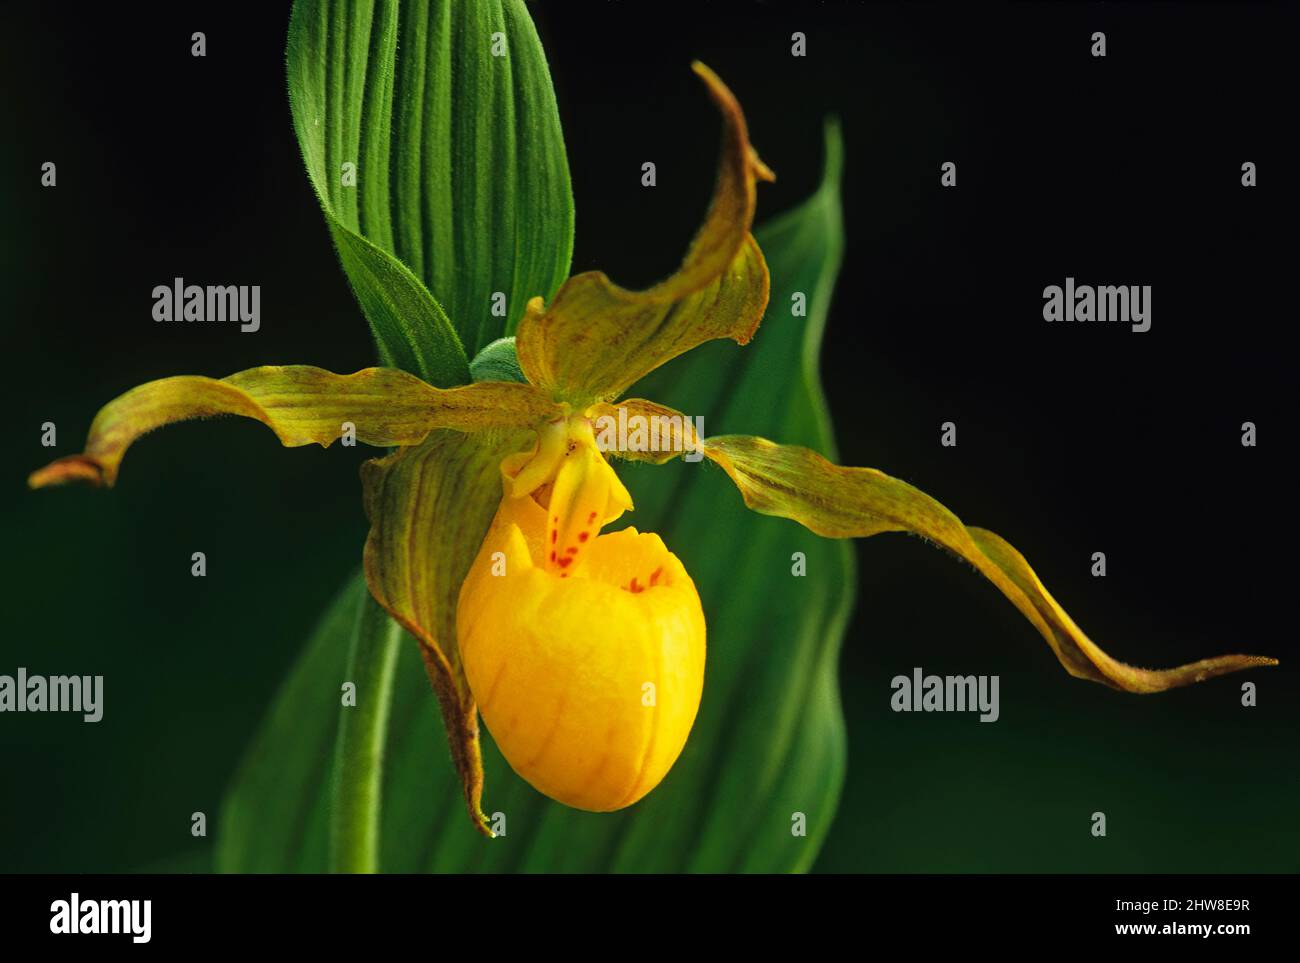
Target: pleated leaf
column 431, row 134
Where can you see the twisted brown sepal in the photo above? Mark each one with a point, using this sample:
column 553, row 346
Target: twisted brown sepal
column 595, row 339
column 429, row 507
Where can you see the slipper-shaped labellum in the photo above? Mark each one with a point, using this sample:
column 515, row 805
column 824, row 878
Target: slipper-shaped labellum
column 585, row 652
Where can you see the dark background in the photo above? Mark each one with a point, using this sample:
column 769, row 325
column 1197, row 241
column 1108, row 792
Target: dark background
column 1072, row 438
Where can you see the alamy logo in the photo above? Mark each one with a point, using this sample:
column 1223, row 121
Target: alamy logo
column 1128, row 304
column 221, row 303
column 130, row 916
column 651, row 433
column 58, row 693
column 949, row 693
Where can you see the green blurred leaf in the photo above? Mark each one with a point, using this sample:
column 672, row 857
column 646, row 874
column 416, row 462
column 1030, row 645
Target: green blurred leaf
column 275, row 816
column 461, row 180
column 769, row 739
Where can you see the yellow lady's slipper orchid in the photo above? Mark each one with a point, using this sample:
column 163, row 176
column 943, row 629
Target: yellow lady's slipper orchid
column 584, row 652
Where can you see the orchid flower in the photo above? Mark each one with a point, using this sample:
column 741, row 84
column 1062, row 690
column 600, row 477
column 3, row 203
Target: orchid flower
column 582, row 651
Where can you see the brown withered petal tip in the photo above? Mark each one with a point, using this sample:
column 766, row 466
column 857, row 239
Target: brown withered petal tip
column 74, row 468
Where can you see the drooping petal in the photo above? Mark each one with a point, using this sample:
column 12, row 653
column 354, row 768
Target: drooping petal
column 838, row 502
column 429, row 507
column 302, row 405
column 595, row 339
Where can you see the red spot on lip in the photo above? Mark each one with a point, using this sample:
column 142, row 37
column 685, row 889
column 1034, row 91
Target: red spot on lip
column 571, row 550
column 654, row 576
column 583, row 536
column 552, row 556
column 591, row 518
column 554, row 535
column 564, row 562
column 633, row 587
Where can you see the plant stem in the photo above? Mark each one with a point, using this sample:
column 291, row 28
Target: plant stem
column 359, row 750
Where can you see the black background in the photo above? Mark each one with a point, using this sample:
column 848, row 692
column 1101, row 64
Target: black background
column 1072, row 438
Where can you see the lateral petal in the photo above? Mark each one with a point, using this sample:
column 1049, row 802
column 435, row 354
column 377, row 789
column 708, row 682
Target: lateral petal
column 837, row 502
column 302, row 405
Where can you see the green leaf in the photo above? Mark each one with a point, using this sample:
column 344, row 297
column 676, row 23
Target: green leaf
column 461, row 184
column 497, row 362
column 410, row 329
column 769, row 740
column 275, row 816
